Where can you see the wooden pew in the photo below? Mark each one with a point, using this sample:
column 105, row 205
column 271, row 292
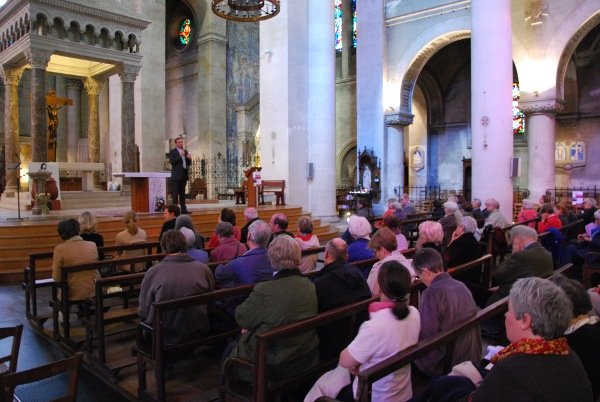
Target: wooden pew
column 272, row 186
column 367, row 377
column 157, row 353
column 31, row 283
column 265, row 388
column 63, row 305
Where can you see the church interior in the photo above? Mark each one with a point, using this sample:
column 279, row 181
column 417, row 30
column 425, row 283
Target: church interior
column 337, row 102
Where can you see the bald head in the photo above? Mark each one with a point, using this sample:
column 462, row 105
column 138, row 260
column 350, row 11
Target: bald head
column 336, row 250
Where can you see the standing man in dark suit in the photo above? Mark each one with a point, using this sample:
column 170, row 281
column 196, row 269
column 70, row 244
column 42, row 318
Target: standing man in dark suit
column 180, row 160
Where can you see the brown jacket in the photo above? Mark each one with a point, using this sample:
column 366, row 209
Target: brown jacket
column 72, row 252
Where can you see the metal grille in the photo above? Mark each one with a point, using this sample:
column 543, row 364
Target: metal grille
column 216, row 171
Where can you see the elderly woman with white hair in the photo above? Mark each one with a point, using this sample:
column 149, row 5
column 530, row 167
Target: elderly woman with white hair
column 527, row 213
column 360, row 231
column 463, row 246
column 450, row 220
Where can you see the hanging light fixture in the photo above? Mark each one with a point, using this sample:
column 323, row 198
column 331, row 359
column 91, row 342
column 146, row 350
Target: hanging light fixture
column 246, row 10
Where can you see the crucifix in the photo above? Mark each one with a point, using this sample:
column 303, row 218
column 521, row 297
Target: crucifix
column 54, row 104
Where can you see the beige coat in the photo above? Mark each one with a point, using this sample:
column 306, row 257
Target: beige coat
column 76, row 251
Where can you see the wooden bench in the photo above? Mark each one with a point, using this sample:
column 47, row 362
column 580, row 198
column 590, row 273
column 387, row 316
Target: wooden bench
column 31, row 282
column 63, row 305
column 367, row 377
column 276, row 187
column 95, row 330
column 264, row 388
column 158, row 351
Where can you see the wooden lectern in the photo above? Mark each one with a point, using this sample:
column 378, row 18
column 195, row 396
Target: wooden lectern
column 252, row 188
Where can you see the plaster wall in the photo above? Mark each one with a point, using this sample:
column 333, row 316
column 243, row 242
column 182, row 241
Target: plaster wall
column 345, row 126
column 417, row 136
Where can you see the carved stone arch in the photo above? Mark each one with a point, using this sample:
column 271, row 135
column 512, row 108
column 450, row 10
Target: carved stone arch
column 177, row 12
column 418, row 63
column 345, row 160
column 58, row 28
column 118, row 41
column 132, row 43
column 74, row 32
column 41, row 23
column 567, row 53
column 430, row 86
column 89, row 35
column 104, row 38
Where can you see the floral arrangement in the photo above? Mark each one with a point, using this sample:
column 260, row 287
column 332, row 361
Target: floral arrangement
column 43, row 200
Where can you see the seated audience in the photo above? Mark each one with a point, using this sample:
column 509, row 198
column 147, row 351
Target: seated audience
column 395, row 225
column 450, row 220
column 87, row 226
column 583, row 335
column 338, row 283
column 587, row 212
column 364, row 209
column 528, row 258
column 445, row 303
column 463, row 246
column 190, row 239
column 227, row 215
column 250, row 215
column 185, row 221
column 279, row 223
column 537, row 365
column 171, row 213
column 383, row 243
column 398, row 210
column 360, row 230
column 390, row 211
column 565, row 213
column 393, row 326
column 228, row 248
column 431, row 235
column 176, row 276
column 438, row 210
column 528, row 212
column 587, row 242
column 548, row 219
column 75, row 251
column 407, row 206
column 251, row 267
column 132, row 234
column 478, row 213
column 495, row 219
column 306, row 239
column 289, row 297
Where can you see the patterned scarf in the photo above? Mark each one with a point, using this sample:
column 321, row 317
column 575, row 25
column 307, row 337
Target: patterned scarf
column 556, row 346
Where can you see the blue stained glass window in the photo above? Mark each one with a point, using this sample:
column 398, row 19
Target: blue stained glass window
column 185, row 31
column 518, row 115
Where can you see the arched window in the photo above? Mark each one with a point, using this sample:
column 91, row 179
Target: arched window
column 518, row 115
column 338, row 13
column 185, row 31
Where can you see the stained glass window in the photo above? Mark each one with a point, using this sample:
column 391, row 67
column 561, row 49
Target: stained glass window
column 185, row 31
column 338, row 12
column 518, row 115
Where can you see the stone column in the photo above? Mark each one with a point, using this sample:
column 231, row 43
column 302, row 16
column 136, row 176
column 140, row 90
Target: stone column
column 347, row 37
column 321, row 108
column 541, row 130
column 394, row 153
column 93, row 88
column 128, row 75
column 39, row 115
column 11, row 79
column 491, row 101
column 73, row 118
column 370, row 75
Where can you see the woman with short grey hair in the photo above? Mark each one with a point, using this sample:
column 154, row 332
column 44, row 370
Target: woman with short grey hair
column 538, row 364
column 284, row 253
column 463, row 246
column 185, row 221
column 450, row 220
column 359, row 229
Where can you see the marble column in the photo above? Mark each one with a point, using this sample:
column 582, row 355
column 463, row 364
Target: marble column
column 347, row 37
column 93, row 87
column 128, row 75
column 541, row 131
column 73, row 118
column 39, row 119
column 394, row 153
column 370, row 75
column 321, row 108
column 491, row 101
column 11, row 79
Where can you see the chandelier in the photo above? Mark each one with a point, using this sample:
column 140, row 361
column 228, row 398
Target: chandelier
column 246, row 10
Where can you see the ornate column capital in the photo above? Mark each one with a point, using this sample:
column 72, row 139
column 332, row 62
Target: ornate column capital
column 11, row 76
column 541, row 106
column 73, row 83
column 128, row 73
column 92, row 86
column 399, row 119
column 38, row 58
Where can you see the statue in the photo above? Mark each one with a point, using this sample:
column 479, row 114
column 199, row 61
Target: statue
column 54, row 104
column 257, row 149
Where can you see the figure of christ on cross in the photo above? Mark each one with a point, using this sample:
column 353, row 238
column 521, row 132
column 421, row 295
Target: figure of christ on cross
column 54, row 104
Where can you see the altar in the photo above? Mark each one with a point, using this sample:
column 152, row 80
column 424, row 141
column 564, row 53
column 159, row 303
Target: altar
column 146, row 188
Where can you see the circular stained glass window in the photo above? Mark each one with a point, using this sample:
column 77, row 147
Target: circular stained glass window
column 185, row 31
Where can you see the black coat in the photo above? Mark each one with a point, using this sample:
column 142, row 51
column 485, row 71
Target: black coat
column 178, row 172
